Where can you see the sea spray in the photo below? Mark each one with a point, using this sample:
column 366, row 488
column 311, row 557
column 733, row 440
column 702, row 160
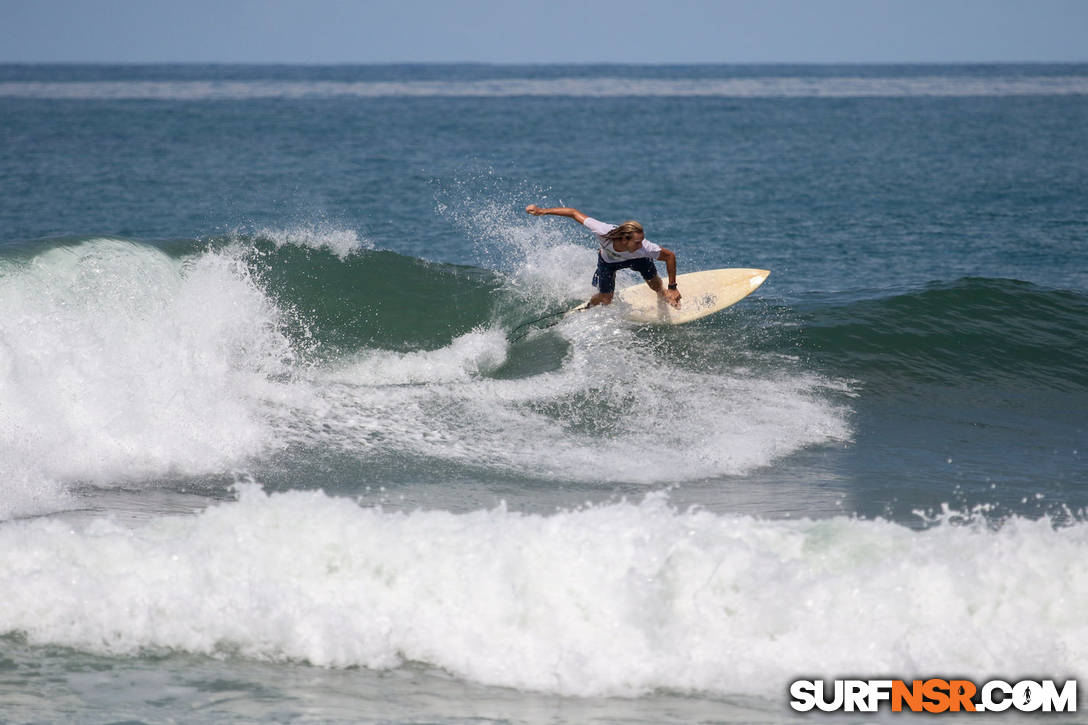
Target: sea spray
column 123, row 363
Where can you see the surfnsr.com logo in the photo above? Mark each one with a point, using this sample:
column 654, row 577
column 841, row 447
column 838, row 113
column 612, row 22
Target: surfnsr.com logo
column 934, row 695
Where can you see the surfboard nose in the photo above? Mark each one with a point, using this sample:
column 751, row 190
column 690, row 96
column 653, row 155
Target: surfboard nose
column 759, row 276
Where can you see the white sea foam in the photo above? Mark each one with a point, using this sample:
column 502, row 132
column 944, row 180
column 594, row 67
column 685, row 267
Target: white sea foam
column 655, row 423
column 463, row 360
column 617, row 599
column 119, row 362
column 761, row 87
column 26, row 491
column 341, row 242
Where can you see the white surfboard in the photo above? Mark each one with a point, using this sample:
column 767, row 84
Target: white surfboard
column 702, row 294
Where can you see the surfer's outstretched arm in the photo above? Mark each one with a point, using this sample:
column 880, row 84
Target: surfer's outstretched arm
column 557, row 211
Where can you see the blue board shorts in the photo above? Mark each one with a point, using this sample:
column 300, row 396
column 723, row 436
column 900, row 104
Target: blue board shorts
column 604, row 279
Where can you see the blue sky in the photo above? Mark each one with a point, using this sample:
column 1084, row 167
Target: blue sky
column 546, row 31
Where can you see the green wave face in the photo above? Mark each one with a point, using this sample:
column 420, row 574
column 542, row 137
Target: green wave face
column 373, row 298
column 974, row 330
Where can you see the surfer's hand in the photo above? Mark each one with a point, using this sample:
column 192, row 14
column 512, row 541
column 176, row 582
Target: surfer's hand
column 672, row 296
column 534, row 210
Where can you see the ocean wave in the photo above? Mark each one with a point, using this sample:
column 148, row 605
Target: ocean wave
column 367, row 298
column 120, row 362
column 973, row 329
column 339, row 241
column 618, row 599
column 757, row 87
column 596, row 400
column 234, row 349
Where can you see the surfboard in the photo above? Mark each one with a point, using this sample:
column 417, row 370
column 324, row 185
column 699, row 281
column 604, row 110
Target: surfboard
column 702, row 293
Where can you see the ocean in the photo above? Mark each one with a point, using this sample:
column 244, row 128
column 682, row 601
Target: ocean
column 280, row 440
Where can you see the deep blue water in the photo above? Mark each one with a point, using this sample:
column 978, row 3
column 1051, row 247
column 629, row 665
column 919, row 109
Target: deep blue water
column 308, row 279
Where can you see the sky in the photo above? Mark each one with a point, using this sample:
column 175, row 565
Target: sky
column 544, row 31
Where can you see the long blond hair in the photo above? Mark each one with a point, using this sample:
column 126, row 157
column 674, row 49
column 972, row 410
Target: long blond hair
column 629, row 227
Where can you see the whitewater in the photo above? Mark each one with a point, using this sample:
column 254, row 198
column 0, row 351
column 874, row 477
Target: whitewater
column 618, row 599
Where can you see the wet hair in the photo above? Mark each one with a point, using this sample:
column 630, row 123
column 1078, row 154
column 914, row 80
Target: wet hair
column 625, row 229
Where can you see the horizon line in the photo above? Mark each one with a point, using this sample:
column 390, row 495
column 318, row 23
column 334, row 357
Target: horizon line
column 330, row 64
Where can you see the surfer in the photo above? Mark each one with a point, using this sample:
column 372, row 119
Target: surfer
column 623, row 246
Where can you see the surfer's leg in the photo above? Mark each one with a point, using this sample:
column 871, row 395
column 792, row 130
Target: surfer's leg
column 648, row 270
column 604, row 279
